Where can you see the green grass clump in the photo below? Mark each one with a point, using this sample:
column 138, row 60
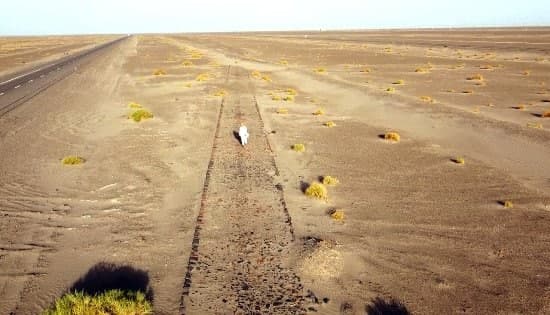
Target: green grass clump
column 317, row 190
column 115, row 302
column 298, row 147
column 141, row 114
column 330, row 181
column 72, row 160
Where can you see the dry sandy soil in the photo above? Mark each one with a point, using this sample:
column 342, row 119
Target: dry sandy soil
column 20, row 53
column 209, row 227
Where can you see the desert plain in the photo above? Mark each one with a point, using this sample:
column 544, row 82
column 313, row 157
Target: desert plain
column 453, row 218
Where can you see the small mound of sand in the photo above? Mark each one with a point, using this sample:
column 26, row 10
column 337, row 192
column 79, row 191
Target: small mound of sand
column 325, row 262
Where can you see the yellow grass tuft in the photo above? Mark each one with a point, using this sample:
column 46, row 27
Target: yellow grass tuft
column 330, row 181
column 365, row 70
column 319, row 112
column 421, row 70
column 276, row 97
column 202, row 77
column 187, row 63
column 399, row 82
column 475, row 77
column 134, row 105
column 220, row 93
column 188, row 85
column 288, row 98
column 266, row 78
column 72, row 160
column 392, row 136
column 467, row 92
column 534, row 125
column 337, row 214
column 256, row 74
column 290, row 91
column 320, row 70
column 519, row 107
column 427, row 99
column 508, row 204
column 390, row 90
column 282, row 111
column 459, row 160
column 298, row 147
column 329, row 124
column 526, row 72
column 195, row 55
column 317, row 190
column 140, row 115
column 159, row 72
column 283, row 62
column 546, row 114
column 108, row 302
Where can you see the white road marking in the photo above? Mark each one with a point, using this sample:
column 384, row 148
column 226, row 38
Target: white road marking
column 17, row 86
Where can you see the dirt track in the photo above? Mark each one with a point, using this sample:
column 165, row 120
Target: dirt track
column 417, row 227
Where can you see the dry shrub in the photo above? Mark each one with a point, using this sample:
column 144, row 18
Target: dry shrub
column 330, row 181
column 519, row 107
column 276, row 97
column 390, row 90
column 317, row 190
column 202, row 77
column 72, row 160
column 256, row 74
column 288, row 98
column 467, row 92
column 337, row 214
column 220, row 93
column 283, row 62
column 329, row 124
column 475, row 77
column 534, row 125
column 399, row 82
column 159, row 72
column 319, row 112
column 298, row 147
column 188, row 85
column 526, row 72
column 282, row 111
column 320, row 70
column 365, row 70
column 546, row 114
column 507, row 204
column 108, row 302
column 140, row 115
column 290, row 91
column 421, row 70
column 459, row 160
column 486, row 67
column 187, row 63
column 427, row 99
column 134, row 105
column 392, row 136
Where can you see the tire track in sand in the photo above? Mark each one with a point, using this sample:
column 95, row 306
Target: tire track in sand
column 243, row 226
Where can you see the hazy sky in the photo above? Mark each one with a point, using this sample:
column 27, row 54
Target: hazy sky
column 124, row 16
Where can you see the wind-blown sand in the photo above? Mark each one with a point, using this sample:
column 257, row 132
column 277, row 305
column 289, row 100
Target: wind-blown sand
column 418, row 227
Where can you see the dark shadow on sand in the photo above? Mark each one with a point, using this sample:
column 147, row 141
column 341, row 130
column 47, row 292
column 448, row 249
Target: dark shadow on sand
column 379, row 306
column 106, row 276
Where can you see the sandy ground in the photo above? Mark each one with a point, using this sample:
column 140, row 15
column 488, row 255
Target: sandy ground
column 18, row 54
column 418, row 227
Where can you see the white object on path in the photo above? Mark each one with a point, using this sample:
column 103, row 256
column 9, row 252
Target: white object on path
column 243, row 134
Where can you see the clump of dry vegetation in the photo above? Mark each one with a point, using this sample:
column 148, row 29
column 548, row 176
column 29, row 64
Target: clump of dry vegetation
column 526, row 72
column 282, row 111
column 427, row 99
column 337, row 214
column 319, row 112
column 73, row 160
column 392, row 136
column 507, row 204
column 330, row 124
column 519, row 107
column 475, row 77
column 398, row 82
column 256, row 74
column 108, row 302
column 220, row 93
column 283, row 62
column 266, row 78
column 317, row 190
column 468, row 92
column 365, row 70
column 421, row 70
column 202, row 77
column 390, row 90
column 276, row 97
column 187, row 63
column 292, row 92
column 159, row 72
column 546, row 114
column 298, row 147
column 534, row 125
column 320, row 70
column 134, row 105
column 140, row 115
column 288, row 98
column 330, row 180
column 459, row 160
column 188, row 85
